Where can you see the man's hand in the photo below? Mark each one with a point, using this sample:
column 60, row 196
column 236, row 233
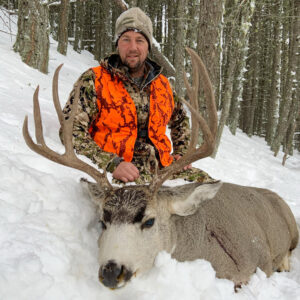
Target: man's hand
column 126, row 171
column 177, row 156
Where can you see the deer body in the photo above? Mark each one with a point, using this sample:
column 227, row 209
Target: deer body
column 236, row 228
column 239, row 230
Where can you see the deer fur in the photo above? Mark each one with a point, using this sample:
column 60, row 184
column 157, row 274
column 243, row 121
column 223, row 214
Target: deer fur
column 237, row 228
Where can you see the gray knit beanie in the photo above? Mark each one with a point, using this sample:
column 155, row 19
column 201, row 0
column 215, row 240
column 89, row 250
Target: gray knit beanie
column 134, row 19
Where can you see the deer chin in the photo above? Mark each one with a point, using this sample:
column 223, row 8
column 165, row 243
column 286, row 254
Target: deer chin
column 119, row 284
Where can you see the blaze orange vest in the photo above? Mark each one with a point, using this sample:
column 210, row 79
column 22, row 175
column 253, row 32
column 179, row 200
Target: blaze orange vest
column 115, row 129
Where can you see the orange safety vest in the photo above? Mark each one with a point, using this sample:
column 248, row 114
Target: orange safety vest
column 115, row 129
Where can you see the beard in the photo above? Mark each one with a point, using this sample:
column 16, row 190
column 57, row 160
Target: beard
column 134, row 66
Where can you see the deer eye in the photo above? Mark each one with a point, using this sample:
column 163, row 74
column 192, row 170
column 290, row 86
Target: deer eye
column 149, row 223
column 103, row 225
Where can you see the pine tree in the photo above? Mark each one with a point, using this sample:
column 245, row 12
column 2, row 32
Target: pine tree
column 63, row 27
column 33, row 37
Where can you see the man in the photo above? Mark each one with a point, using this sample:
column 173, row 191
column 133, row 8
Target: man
column 125, row 105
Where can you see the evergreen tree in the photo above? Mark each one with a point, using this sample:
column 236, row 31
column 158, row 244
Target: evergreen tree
column 33, row 37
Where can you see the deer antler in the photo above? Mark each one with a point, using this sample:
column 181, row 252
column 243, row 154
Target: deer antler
column 69, row 158
column 208, row 129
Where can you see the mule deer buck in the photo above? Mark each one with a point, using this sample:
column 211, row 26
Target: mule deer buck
column 237, row 228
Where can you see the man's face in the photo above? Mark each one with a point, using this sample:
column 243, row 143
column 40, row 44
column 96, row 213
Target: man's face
column 133, row 50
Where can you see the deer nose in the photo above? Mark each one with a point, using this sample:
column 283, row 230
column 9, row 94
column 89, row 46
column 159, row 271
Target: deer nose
column 113, row 276
column 109, row 273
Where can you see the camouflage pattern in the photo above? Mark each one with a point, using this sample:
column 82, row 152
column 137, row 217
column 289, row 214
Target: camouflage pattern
column 144, row 151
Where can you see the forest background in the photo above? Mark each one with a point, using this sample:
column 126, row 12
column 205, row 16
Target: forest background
column 250, row 48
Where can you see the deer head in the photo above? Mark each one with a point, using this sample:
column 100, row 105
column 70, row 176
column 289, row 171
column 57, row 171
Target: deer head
column 136, row 220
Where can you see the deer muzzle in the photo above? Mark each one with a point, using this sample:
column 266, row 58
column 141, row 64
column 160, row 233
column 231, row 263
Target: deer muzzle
column 114, row 276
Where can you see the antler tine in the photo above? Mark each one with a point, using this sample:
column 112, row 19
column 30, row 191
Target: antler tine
column 208, row 130
column 195, row 73
column 37, row 118
column 208, row 91
column 193, row 96
column 69, row 158
column 194, row 102
column 55, row 95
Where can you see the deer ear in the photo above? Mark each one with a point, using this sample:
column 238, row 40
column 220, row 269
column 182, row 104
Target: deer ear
column 185, row 206
column 95, row 191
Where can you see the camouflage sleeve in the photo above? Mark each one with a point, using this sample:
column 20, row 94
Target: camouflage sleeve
column 86, row 114
column 180, row 128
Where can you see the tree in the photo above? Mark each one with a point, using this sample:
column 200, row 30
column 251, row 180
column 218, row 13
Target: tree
column 244, row 19
column 287, row 98
column 170, row 28
column 104, row 38
column 63, row 27
column 54, row 18
column 9, row 4
column 272, row 106
column 208, row 39
column 79, row 25
column 33, row 37
column 235, row 40
column 250, row 48
column 180, row 43
column 250, row 95
column 192, row 23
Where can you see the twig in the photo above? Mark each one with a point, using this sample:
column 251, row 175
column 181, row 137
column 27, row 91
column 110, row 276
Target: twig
column 8, row 33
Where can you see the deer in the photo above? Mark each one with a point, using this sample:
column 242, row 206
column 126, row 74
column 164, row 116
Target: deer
column 236, row 228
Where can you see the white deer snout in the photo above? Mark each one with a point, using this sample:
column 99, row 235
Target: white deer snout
column 113, row 275
column 125, row 250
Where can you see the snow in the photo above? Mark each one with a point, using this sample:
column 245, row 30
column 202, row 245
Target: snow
column 48, row 225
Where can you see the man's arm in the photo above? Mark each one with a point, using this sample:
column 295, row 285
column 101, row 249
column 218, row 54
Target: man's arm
column 87, row 112
column 180, row 128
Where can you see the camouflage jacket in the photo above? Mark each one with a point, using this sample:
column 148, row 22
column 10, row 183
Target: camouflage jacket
column 139, row 90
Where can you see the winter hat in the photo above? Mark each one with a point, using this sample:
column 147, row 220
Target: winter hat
column 134, row 19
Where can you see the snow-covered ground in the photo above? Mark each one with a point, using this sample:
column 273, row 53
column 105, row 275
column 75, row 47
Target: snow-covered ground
column 48, row 238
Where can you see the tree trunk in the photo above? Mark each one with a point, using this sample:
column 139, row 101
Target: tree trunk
column 193, row 12
column 168, row 49
column 79, row 25
column 237, row 86
column 272, row 110
column 54, row 19
column 234, row 111
column 180, row 45
column 292, row 67
column 33, row 37
column 249, row 96
column 263, row 72
column 208, row 46
column 208, row 43
column 159, row 22
column 233, row 45
column 288, row 141
column 142, row 4
column 63, row 27
column 103, row 44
